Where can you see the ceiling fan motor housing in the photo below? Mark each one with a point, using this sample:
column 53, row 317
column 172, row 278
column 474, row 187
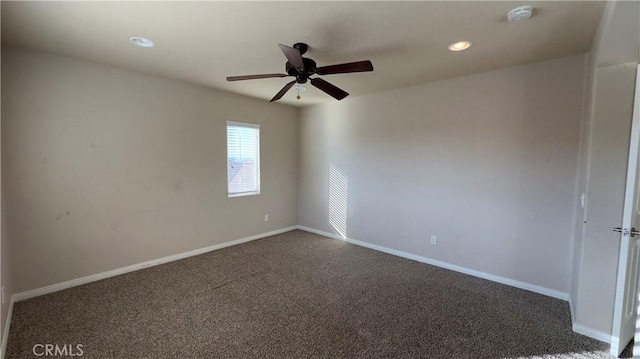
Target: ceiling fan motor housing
column 301, row 76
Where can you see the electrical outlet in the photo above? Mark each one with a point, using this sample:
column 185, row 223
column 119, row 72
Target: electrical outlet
column 266, row 218
column 434, row 240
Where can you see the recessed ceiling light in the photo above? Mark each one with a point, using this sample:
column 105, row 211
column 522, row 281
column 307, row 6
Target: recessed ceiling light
column 141, row 41
column 459, row 46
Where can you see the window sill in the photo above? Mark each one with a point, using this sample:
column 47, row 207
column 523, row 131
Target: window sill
column 243, row 194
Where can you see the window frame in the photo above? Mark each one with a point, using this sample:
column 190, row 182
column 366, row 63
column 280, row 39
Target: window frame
column 257, row 162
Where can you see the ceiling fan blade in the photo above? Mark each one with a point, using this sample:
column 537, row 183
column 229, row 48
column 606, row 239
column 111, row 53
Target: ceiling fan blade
column 293, row 55
column 252, row 77
column 330, row 89
column 283, row 91
column 360, row 66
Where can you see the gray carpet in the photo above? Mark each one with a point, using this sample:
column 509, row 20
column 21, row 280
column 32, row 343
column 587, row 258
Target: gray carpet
column 299, row 295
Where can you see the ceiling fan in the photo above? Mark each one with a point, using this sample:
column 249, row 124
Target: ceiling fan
column 302, row 68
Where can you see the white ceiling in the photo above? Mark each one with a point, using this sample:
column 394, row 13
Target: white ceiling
column 203, row 42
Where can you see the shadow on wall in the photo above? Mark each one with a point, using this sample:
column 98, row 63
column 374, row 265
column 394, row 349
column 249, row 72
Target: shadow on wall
column 338, row 194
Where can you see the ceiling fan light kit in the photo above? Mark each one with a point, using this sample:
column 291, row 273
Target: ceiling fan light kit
column 303, row 68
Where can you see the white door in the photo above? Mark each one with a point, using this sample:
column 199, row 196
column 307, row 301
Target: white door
column 626, row 303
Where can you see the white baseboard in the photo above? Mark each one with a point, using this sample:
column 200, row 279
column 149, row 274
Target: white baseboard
column 586, row 331
column 5, row 333
column 571, row 310
column 615, row 343
column 112, row 273
column 494, row 278
column 592, row 333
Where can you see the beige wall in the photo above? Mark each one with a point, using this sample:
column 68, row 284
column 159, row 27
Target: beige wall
column 485, row 162
column 609, row 148
column 5, row 273
column 103, row 168
column 604, row 152
column 5, row 264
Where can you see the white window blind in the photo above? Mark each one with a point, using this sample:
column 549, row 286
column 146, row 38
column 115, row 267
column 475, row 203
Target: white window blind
column 243, row 158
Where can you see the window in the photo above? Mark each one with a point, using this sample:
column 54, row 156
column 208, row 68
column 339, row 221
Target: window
column 243, row 159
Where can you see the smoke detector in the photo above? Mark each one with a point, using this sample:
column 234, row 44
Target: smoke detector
column 520, row 13
column 141, row 41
